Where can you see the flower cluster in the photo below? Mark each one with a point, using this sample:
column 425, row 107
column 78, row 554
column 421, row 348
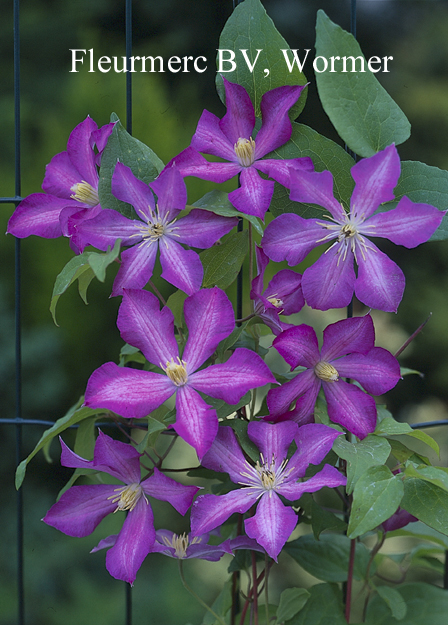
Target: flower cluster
column 212, row 362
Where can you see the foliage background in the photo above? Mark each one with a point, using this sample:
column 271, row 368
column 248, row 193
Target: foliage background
column 64, row 584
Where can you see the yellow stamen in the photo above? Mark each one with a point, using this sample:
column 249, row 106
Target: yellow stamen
column 180, row 544
column 127, row 497
column 326, row 372
column 245, row 151
column 85, row 193
column 176, row 372
column 275, row 301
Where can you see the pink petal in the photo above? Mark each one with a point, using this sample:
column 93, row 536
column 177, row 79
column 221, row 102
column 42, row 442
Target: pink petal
column 202, row 228
column 137, row 265
column 127, row 188
column 161, row 487
column 61, row 175
column 272, row 524
column 377, row 371
column 128, row 392
column 273, row 441
column 182, row 268
column 239, row 120
column 38, row 214
column 280, row 399
column 171, row 192
column 291, row 238
column 329, row 476
column 254, row 194
column 80, row 151
column 196, row 421
column 225, row 455
column 105, row 228
column 120, row 460
column 348, row 335
column 210, row 511
column 210, row 139
column 191, row 163
column 314, row 441
column 350, row 407
column 287, row 286
column 376, row 178
column 298, row 346
column 315, row 188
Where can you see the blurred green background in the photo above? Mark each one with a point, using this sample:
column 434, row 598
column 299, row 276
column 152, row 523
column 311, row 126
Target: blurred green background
column 64, row 583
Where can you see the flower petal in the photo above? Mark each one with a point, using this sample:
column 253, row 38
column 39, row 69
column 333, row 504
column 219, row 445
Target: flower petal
column 182, row 268
column 210, row 139
column 60, row 176
column 355, row 334
column 120, row 460
column 280, row 168
column 191, row 163
column 202, row 228
column 329, row 283
column 210, row 511
column 163, row 488
column 80, row 151
column 128, row 392
column 377, row 371
column 279, row 399
column 298, row 346
column 287, row 286
column 229, row 381
column 127, row 188
column 196, row 421
column 272, row 524
column 38, row 214
column 171, row 192
column 239, row 120
column 314, row 441
column 329, row 476
column 350, row 407
column 380, row 282
column 376, row 178
column 254, row 194
column 143, row 325
column 290, row 237
column 210, row 319
column 105, row 228
column 273, row 441
column 137, row 265
column 315, row 187
column 133, row 544
column 225, row 455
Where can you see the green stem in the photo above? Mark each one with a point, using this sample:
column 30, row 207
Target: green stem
column 351, row 565
column 266, row 584
column 197, row 597
column 255, row 589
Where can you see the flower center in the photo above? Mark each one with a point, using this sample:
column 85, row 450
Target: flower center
column 275, row 301
column 326, row 372
column 155, row 228
column 245, row 151
column 180, row 543
column 127, row 496
column 85, row 193
column 347, row 231
column 176, row 372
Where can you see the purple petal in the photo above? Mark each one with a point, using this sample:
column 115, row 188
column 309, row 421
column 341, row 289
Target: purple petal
column 133, row 544
column 380, row 282
column 356, row 334
column 70, row 459
column 398, row 520
column 408, row 224
column 280, row 168
column 143, row 325
column 287, row 286
column 272, row 524
column 191, row 163
column 196, row 421
column 61, row 175
column 290, row 237
column 262, row 263
column 137, row 265
column 161, row 487
column 315, row 188
column 39, row 214
column 182, row 268
column 378, row 371
column 105, row 543
column 254, row 194
column 202, row 228
column 279, row 399
column 101, row 136
column 273, row 441
column 314, row 441
column 105, row 228
column 210, row 319
column 276, row 127
column 350, row 407
column 329, row 283
column 171, row 192
column 210, row 511
column 128, row 392
column 210, row 139
column 225, row 455
column 239, row 120
column 127, row 188
column 229, row 381
column 303, row 412
column 81, row 508
column 120, row 460
column 329, row 476
column 376, row 178
column 298, row 346
column 80, row 151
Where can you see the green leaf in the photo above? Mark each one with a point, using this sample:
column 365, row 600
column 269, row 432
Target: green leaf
column 421, row 531
column 435, row 475
column 100, row 261
column 376, row 496
column 324, row 607
column 427, row 502
column 361, row 110
column 218, row 202
column 328, row 557
column 222, row 262
column 388, row 426
column 425, row 184
column 221, row 605
column 249, row 28
column 85, row 438
column 325, row 154
column 426, row 605
column 175, row 303
column 144, row 163
column 393, row 600
column 369, row 452
column 292, row 600
column 73, row 416
column 240, row 428
column 230, row 341
column 321, row 519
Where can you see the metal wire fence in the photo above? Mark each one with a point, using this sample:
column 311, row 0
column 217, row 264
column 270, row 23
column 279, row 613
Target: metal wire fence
column 18, row 422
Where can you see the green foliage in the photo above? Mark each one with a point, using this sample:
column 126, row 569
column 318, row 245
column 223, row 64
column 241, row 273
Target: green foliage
column 371, row 451
column 324, row 607
column 292, row 600
column 361, row 110
column 222, row 262
column 425, row 604
column 218, row 202
column 428, row 502
column 249, row 28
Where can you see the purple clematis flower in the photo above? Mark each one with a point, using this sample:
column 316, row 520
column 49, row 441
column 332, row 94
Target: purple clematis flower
column 132, row 393
column 70, row 185
column 81, row 508
column 331, row 280
column 283, row 295
column 399, row 519
column 156, row 229
column 273, row 475
column 231, row 139
column 347, row 352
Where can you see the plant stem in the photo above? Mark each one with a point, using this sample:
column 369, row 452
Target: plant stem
column 351, row 564
column 197, row 597
column 255, row 589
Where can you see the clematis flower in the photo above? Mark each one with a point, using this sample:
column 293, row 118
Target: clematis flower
column 156, row 229
column 331, row 281
column 231, row 139
column 70, row 185
column 399, row 519
column 272, row 475
column 283, row 295
column 81, row 508
column 347, row 352
column 132, row 393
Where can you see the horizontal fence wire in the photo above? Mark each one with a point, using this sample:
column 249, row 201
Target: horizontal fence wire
column 18, row 422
